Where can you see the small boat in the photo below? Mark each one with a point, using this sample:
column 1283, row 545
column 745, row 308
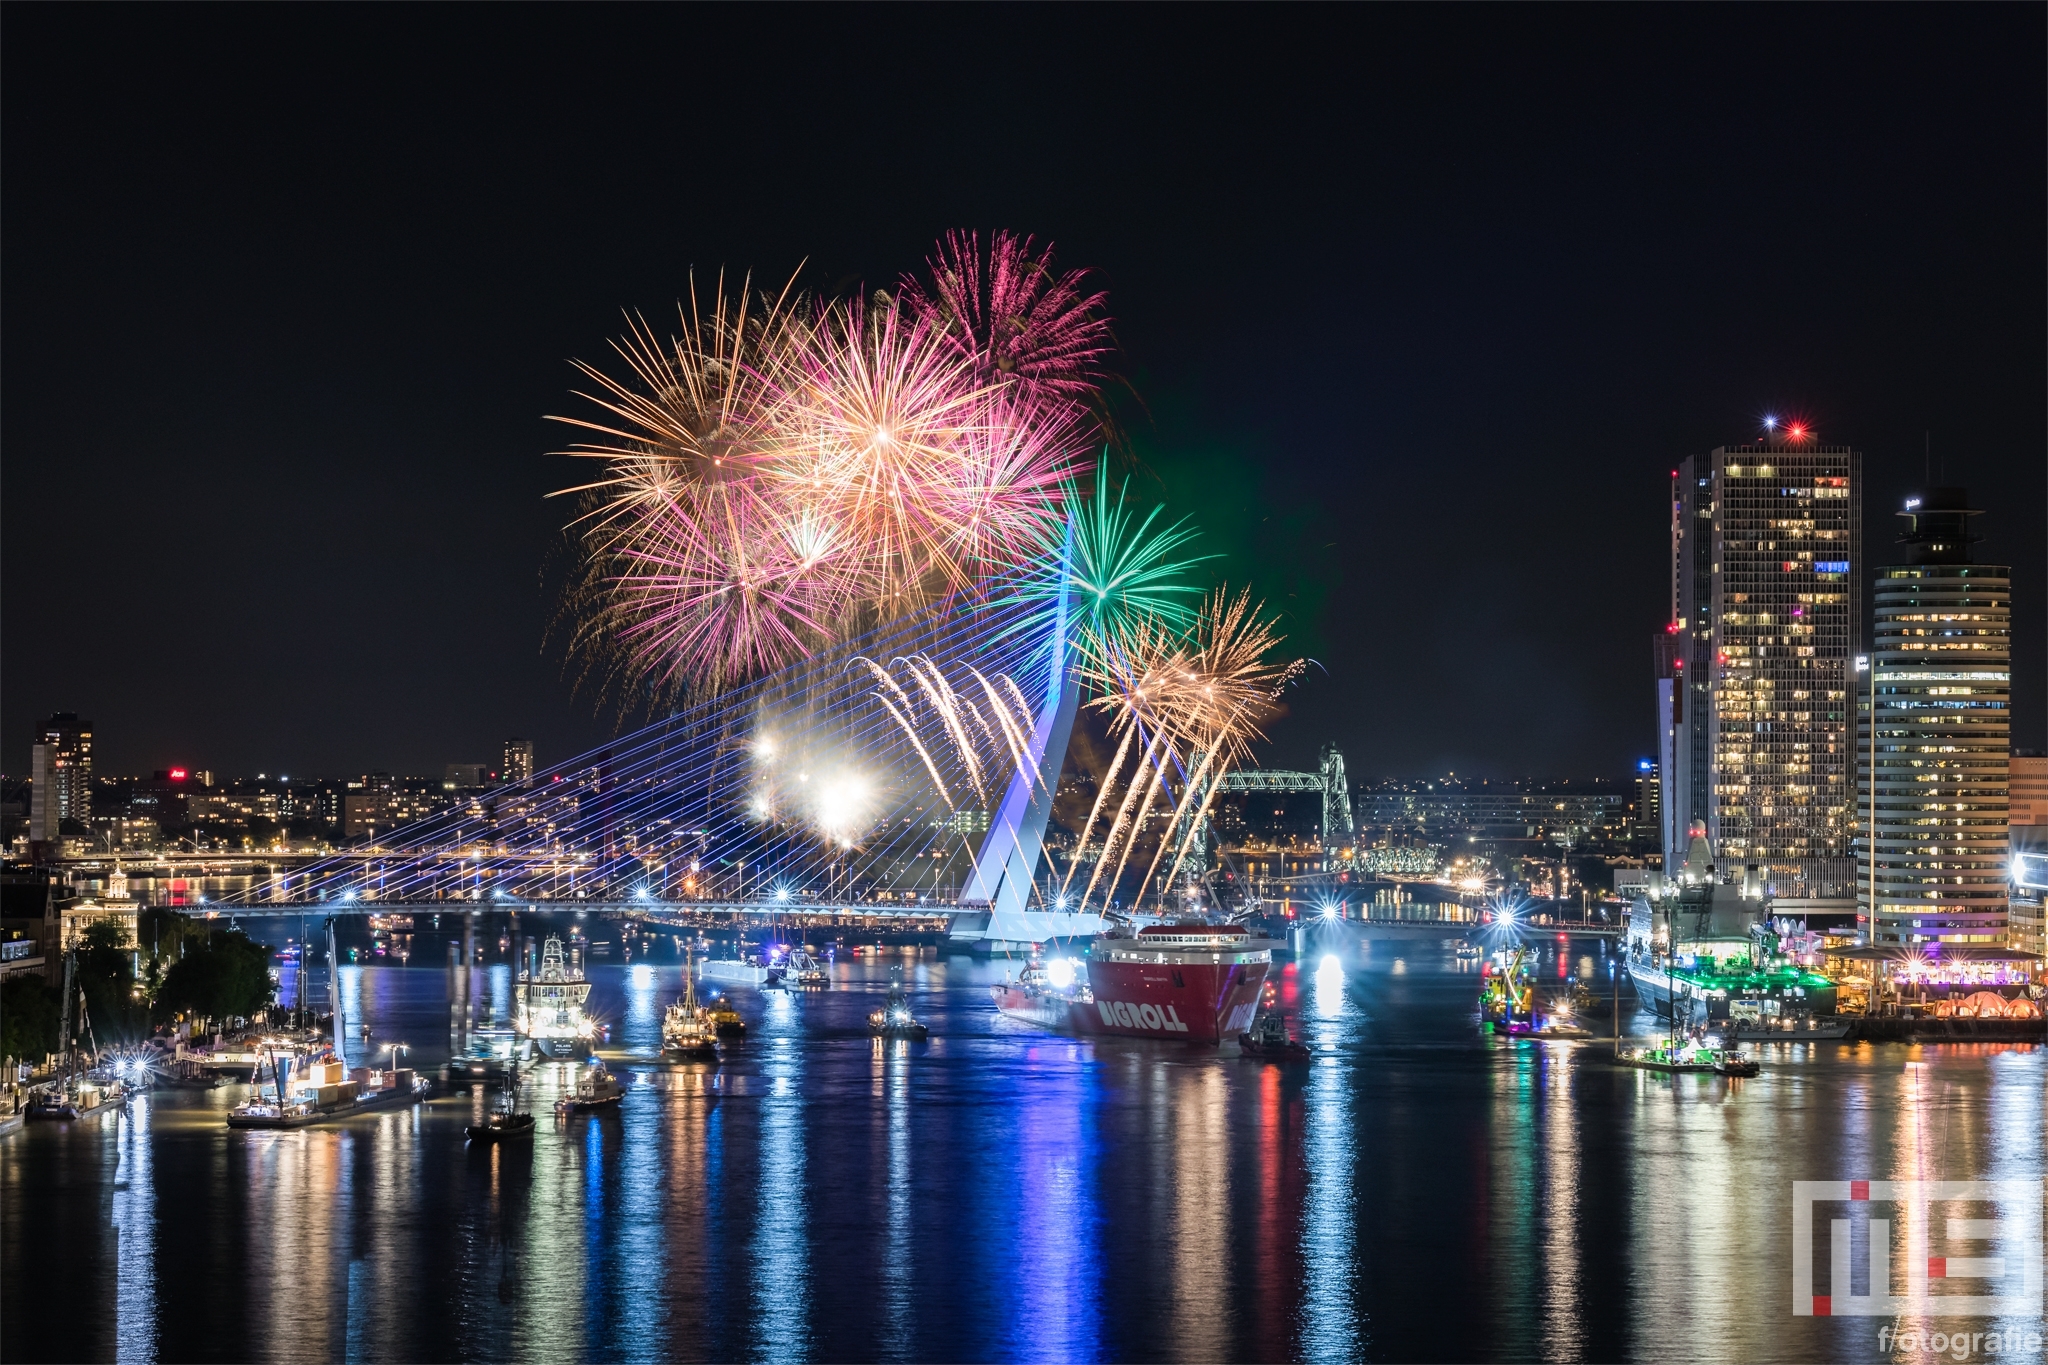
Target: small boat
column 596, row 1089
column 806, row 971
column 80, row 1098
column 494, row 1058
column 725, row 1021
column 186, row 1073
column 1269, row 1041
column 1672, row 1060
column 500, row 1126
column 686, row 1031
column 1732, row 1063
column 894, row 1020
column 1559, row 1031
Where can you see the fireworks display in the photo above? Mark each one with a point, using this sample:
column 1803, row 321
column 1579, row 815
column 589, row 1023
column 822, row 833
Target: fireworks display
column 1194, row 701
column 789, row 491
column 787, row 469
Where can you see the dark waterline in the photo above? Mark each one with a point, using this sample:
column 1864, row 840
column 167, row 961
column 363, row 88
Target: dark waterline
column 1001, row 1193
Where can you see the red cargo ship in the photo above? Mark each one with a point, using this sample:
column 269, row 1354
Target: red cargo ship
column 1197, row 983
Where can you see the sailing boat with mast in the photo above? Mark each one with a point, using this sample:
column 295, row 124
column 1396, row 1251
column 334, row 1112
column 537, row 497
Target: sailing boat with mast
column 75, row 1092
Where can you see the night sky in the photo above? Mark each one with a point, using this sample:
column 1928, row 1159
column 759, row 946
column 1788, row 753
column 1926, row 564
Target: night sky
column 1418, row 309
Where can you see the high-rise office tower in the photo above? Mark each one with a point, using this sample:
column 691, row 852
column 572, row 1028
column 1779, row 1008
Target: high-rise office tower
column 518, row 764
column 1764, row 544
column 1941, row 679
column 68, row 741
column 1688, row 768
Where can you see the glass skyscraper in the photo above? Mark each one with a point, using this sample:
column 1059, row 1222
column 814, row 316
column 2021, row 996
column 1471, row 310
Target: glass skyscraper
column 1765, row 555
column 1941, row 679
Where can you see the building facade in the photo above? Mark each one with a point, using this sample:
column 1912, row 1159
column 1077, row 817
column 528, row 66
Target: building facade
column 68, row 756
column 1937, row 737
column 518, row 764
column 2029, row 789
column 1759, row 745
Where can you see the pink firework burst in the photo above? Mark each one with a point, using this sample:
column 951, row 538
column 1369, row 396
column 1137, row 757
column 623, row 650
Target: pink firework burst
column 1012, row 316
column 716, row 584
column 881, row 418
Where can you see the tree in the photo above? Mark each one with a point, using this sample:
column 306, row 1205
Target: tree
column 106, row 977
column 29, row 1012
column 224, row 976
column 161, row 934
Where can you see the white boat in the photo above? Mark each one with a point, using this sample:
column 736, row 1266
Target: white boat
column 1787, row 1029
column 749, row 970
column 551, row 1005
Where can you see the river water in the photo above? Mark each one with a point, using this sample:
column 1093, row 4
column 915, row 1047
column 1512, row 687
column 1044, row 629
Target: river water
column 1000, row 1193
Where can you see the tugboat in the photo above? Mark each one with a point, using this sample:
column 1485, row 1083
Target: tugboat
column 725, row 1021
column 551, row 1003
column 1269, row 1041
column 596, row 1089
column 1733, row 1063
column 806, row 971
column 894, row 1020
column 686, row 1032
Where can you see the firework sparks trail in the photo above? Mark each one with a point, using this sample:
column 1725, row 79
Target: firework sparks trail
column 939, row 694
column 1232, row 687
column 1013, row 730
column 1095, row 811
column 917, row 743
column 1156, row 781
column 950, row 711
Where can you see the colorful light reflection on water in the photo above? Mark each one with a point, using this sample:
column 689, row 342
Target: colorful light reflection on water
column 997, row 1193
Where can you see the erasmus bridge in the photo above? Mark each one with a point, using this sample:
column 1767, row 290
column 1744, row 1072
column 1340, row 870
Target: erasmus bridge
column 796, row 794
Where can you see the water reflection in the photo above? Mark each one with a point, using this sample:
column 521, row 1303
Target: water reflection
column 1564, row 1336
column 1330, row 1328
column 1054, row 1314
column 781, row 1288
column 135, row 1271
column 892, row 1063
column 1001, row 1193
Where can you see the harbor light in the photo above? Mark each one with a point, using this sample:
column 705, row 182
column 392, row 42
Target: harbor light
column 643, row 976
